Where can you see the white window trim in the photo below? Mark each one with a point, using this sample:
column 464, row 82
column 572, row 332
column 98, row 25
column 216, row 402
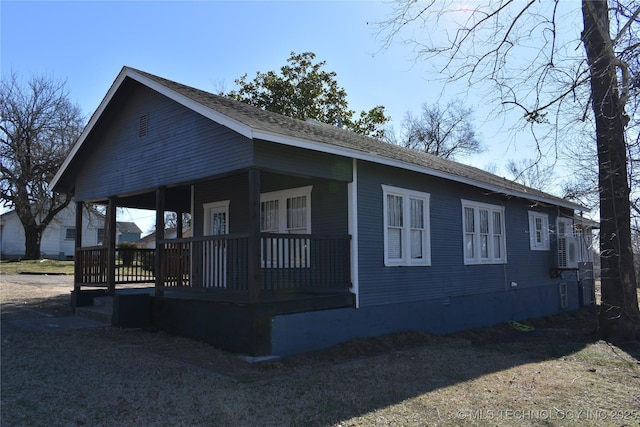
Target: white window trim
column 282, row 197
column 477, row 259
column 533, row 243
column 406, row 260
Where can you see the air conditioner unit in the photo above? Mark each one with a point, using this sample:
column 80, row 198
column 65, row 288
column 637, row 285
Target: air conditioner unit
column 567, row 252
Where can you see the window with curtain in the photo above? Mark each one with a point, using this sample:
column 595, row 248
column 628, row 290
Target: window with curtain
column 286, row 212
column 484, row 239
column 406, row 219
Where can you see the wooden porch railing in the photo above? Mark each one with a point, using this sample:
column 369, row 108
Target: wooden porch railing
column 220, row 264
column 302, row 262
column 93, row 265
column 133, row 265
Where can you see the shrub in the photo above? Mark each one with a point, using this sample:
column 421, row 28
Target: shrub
column 127, row 254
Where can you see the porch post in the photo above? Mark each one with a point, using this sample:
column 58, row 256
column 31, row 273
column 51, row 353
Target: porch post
column 111, row 245
column 159, row 257
column 77, row 264
column 179, row 225
column 254, row 235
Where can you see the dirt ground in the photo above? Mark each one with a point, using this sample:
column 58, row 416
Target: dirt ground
column 63, row 375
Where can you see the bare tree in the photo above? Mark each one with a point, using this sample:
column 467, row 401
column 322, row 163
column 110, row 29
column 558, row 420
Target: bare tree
column 528, row 53
column 171, row 220
column 532, row 173
column 446, row 132
column 38, row 127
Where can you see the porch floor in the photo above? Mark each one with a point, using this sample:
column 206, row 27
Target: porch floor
column 294, row 301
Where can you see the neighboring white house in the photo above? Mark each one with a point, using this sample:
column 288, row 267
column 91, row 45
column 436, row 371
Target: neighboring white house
column 149, row 241
column 58, row 239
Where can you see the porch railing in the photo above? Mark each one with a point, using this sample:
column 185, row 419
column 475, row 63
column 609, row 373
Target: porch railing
column 93, row 268
column 288, row 262
column 220, row 264
column 133, row 265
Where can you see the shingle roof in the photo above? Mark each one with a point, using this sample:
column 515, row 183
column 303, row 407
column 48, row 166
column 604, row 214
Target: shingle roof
column 257, row 123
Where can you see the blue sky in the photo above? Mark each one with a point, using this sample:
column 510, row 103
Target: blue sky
column 208, row 44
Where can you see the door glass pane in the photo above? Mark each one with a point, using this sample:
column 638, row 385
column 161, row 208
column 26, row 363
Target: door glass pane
column 218, row 223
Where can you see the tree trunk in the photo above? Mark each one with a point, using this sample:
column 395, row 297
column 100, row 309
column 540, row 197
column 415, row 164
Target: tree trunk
column 32, row 239
column 619, row 316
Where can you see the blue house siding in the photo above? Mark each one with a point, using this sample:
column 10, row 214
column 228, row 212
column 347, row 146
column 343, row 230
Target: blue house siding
column 302, row 162
column 295, row 333
column 328, row 201
column 447, row 276
column 179, row 146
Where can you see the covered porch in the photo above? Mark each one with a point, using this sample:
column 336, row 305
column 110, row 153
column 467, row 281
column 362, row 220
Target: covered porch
column 223, row 288
column 217, row 268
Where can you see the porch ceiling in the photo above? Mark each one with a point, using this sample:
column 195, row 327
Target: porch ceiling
column 177, row 199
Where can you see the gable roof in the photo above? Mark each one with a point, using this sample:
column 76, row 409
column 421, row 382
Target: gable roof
column 255, row 123
column 128, row 228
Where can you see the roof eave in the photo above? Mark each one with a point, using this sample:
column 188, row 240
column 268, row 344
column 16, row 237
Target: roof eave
column 375, row 158
column 253, row 133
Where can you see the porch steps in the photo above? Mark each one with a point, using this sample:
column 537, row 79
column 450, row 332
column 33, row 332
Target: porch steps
column 100, row 311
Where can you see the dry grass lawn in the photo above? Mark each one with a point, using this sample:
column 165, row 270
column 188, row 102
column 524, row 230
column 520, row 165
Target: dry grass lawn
column 558, row 374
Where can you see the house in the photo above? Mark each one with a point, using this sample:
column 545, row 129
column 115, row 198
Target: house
column 149, row 241
column 128, row 232
column 305, row 234
column 58, row 239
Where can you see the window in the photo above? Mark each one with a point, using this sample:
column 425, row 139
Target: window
column 286, row 212
column 406, row 227
column 484, row 233
column 538, row 231
column 70, row 233
column 99, row 236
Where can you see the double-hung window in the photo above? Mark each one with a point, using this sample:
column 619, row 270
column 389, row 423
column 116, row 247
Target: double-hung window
column 483, row 233
column 538, row 231
column 286, row 212
column 406, row 227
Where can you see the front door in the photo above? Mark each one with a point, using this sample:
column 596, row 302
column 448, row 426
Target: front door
column 214, row 263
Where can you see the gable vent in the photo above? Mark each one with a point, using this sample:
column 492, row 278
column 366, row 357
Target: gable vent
column 142, row 125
